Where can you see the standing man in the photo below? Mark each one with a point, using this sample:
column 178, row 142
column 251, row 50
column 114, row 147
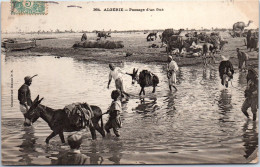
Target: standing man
column 116, row 74
column 204, row 53
column 172, row 68
column 242, row 57
column 84, row 37
column 251, row 94
column 24, row 97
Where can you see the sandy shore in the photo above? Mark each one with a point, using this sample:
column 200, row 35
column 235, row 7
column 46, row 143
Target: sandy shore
column 61, row 45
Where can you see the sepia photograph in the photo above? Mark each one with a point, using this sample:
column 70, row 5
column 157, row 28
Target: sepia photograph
column 129, row 82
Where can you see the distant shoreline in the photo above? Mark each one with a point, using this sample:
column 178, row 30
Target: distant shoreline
column 61, row 46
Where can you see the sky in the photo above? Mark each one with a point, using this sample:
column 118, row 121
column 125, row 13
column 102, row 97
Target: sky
column 176, row 14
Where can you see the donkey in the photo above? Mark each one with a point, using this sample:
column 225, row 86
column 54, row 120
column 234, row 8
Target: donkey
column 59, row 121
column 150, row 35
column 104, row 34
column 144, row 79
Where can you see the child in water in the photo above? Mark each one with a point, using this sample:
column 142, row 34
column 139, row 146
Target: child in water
column 114, row 110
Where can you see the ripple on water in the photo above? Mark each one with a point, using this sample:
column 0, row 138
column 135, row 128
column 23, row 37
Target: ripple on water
column 199, row 123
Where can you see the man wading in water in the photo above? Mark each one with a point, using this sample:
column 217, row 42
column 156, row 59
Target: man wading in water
column 114, row 121
column 251, row 94
column 172, row 68
column 115, row 73
column 24, row 97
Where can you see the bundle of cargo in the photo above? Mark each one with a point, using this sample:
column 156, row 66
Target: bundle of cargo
column 113, row 44
column 195, row 48
column 100, row 44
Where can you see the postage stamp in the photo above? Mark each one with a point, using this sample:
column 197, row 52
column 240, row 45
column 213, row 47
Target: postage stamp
column 28, row 7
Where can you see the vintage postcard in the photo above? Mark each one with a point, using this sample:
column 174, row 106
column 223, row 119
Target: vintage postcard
column 129, row 83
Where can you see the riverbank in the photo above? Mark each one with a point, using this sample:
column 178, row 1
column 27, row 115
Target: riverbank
column 135, row 43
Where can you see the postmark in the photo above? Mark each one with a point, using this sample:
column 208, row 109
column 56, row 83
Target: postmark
column 28, row 7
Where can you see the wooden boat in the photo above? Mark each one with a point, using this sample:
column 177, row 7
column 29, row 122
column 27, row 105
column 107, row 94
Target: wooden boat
column 12, row 44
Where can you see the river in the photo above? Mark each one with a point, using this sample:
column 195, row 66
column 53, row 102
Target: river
column 201, row 123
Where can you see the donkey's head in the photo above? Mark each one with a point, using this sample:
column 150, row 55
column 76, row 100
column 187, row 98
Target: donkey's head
column 134, row 76
column 33, row 113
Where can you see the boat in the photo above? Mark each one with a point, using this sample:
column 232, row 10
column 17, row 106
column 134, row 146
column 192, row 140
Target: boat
column 13, row 44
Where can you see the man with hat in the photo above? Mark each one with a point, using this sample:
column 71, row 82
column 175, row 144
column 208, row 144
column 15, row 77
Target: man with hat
column 116, row 74
column 73, row 156
column 172, row 69
column 24, row 97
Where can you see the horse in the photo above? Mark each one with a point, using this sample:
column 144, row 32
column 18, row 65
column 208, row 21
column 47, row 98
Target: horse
column 59, row 121
column 150, row 35
column 144, row 79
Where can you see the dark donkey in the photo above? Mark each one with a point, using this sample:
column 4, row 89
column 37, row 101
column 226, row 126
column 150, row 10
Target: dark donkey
column 144, row 79
column 59, row 121
column 150, row 35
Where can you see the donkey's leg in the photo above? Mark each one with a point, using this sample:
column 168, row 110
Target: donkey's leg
column 62, row 137
column 154, row 89
column 99, row 129
column 141, row 91
column 92, row 131
column 50, row 136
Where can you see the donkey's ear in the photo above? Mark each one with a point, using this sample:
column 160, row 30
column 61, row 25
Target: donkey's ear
column 35, row 100
column 136, row 71
column 40, row 100
column 129, row 74
column 133, row 70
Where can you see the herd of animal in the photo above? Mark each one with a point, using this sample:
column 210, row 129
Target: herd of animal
column 181, row 39
column 178, row 40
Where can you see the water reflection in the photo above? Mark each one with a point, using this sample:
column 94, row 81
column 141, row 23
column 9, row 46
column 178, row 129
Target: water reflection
column 224, row 104
column 28, row 145
column 193, row 74
column 152, row 126
column 250, row 137
column 115, row 152
column 95, row 156
column 209, row 74
column 242, row 78
column 170, row 100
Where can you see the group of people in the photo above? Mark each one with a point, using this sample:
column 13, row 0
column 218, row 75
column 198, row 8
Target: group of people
column 114, row 121
column 226, row 72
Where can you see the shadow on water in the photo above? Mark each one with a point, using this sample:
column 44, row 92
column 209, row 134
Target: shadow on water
column 28, row 145
column 250, row 137
column 146, row 106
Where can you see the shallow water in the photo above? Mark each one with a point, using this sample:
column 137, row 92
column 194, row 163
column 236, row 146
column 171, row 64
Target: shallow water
column 200, row 123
